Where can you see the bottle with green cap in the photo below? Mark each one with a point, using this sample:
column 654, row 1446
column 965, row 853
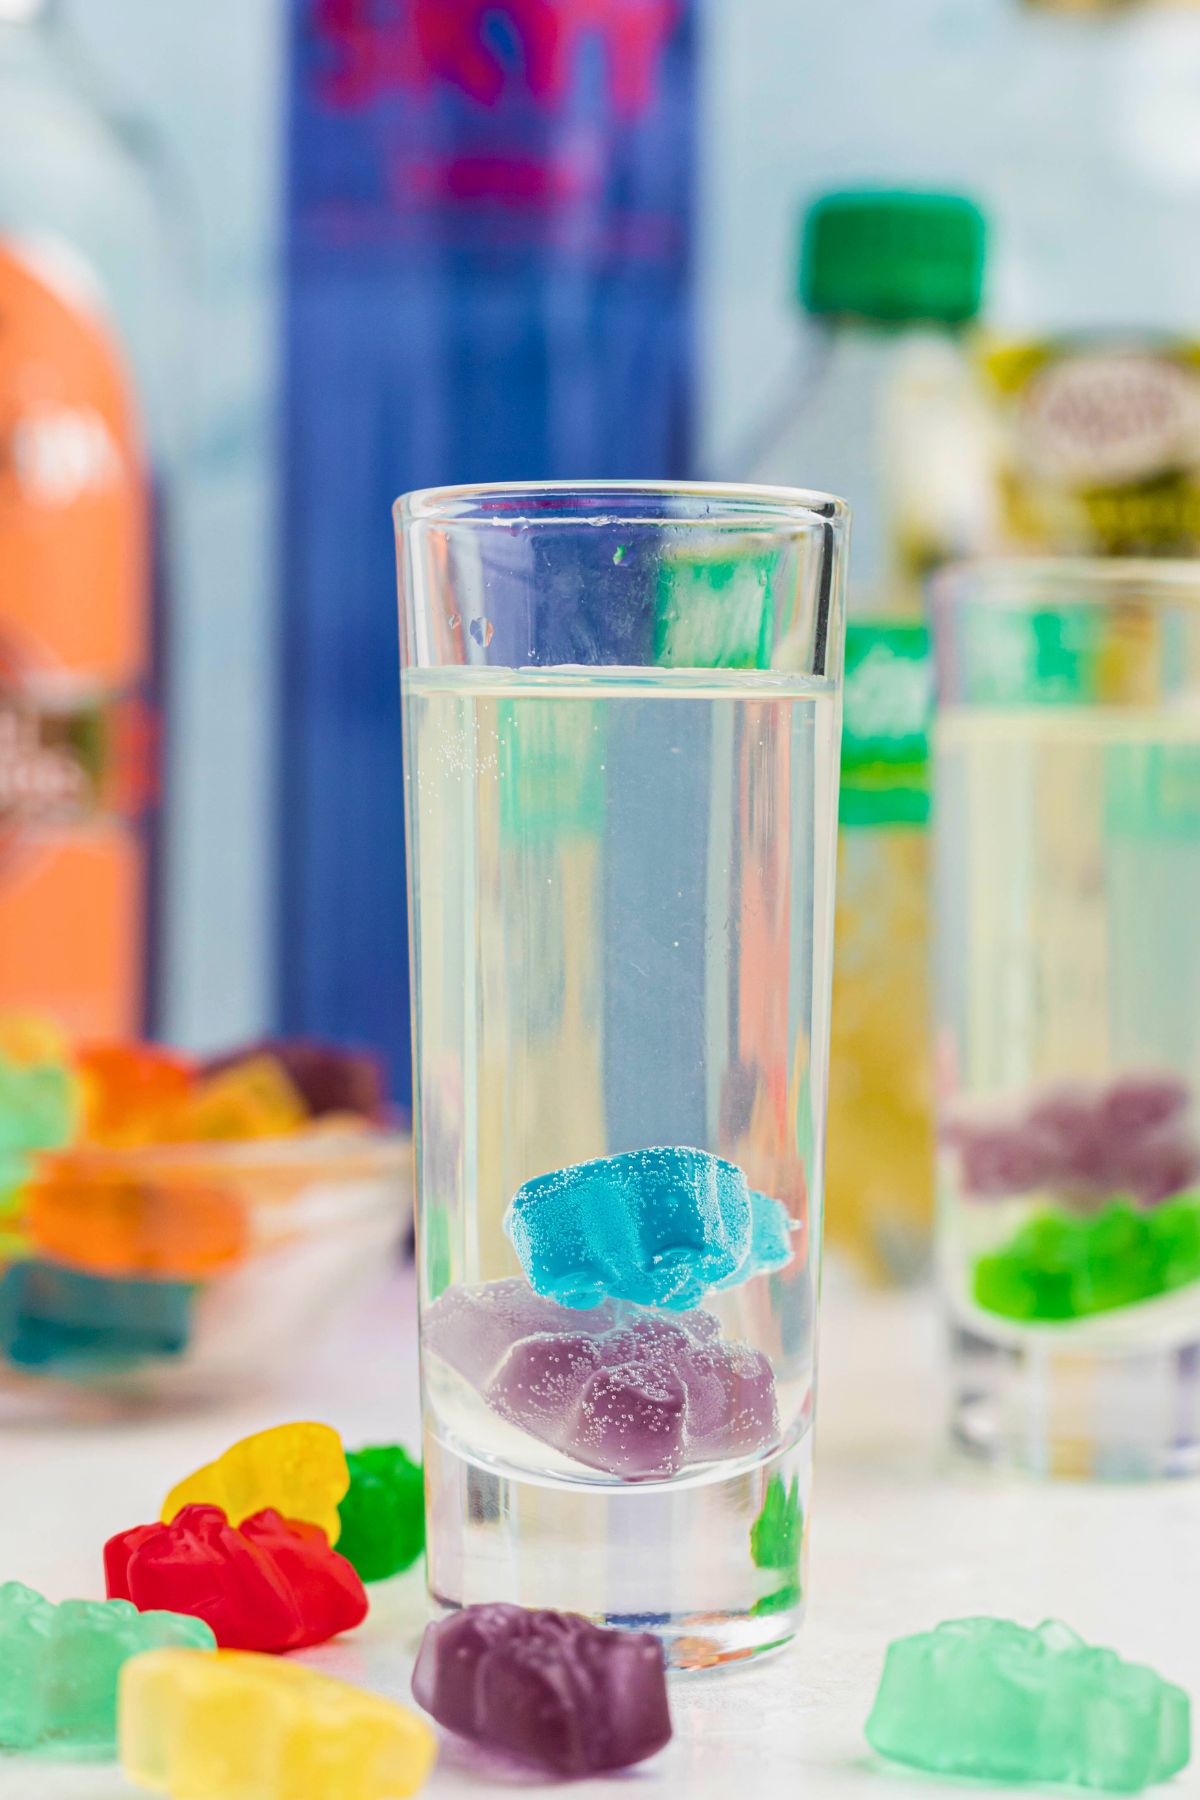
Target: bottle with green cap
column 883, row 412
column 889, row 281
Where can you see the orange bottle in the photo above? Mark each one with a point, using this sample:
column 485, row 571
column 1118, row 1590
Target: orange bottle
column 77, row 224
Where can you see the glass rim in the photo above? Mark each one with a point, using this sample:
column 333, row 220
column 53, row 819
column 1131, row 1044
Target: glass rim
column 1064, row 580
column 380, row 1149
column 750, row 507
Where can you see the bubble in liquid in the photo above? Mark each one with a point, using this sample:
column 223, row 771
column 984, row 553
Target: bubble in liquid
column 483, row 631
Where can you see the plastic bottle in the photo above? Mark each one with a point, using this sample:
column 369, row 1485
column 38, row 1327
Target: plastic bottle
column 1094, row 443
column 82, row 381
column 880, row 1156
column 882, row 413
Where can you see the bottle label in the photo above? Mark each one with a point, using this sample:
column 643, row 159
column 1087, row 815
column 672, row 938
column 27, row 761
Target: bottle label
column 714, row 612
column 1099, row 446
column 75, row 739
column 886, row 704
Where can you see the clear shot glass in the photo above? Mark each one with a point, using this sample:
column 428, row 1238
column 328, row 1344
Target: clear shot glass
column 1067, row 809
column 621, row 718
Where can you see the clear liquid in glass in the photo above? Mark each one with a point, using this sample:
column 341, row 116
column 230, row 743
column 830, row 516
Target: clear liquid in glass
column 621, row 915
column 1069, row 1057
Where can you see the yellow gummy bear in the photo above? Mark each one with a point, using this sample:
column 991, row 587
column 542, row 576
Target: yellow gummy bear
column 253, row 1099
column 30, row 1040
column 235, row 1725
column 300, row 1470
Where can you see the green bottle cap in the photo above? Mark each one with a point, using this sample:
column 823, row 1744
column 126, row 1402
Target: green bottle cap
column 892, row 257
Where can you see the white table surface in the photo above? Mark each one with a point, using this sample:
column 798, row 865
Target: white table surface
column 902, row 1537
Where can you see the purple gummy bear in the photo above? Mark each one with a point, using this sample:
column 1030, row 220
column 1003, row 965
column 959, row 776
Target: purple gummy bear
column 472, row 1328
column 633, row 1393
column 549, row 1687
column 1143, row 1103
column 998, row 1160
column 1065, row 1126
column 1130, row 1137
column 1157, row 1167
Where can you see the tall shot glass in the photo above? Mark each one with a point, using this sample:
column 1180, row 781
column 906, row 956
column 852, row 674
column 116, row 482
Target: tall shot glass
column 622, row 718
column 1067, row 808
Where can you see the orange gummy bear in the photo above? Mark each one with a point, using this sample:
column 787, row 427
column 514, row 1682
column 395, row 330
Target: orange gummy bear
column 112, row 1220
column 131, row 1093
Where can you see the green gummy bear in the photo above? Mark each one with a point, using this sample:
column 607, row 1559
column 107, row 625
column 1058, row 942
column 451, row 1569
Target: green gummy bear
column 780, row 1600
column 383, row 1515
column 59, row 1666
column 778, row 1532
column 1177, row 1240
column 776, row 1541
column 435, row 1249
column 1057, row 1267
column 37, row 1108
column 990, row 1699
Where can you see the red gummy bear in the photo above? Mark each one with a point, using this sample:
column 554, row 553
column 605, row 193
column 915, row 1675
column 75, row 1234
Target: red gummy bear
column 267, row 1584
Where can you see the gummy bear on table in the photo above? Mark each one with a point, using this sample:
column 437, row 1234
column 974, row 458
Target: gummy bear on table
column 297, row 1470
column 989, row 1699
column 236, row 1726
column 59, row 1666
column 269, row 1584
column 568, row 1696
column 383, row 1513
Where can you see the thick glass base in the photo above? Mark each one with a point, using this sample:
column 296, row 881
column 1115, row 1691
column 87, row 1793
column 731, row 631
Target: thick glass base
column 1076, row 1403
column 712, row 1563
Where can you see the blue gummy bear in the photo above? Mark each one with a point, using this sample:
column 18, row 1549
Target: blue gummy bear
column 60, row 1320
column 770, row 1240
column 657, row 1227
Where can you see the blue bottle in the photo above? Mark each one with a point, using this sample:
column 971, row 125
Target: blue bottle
column 489, row 278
